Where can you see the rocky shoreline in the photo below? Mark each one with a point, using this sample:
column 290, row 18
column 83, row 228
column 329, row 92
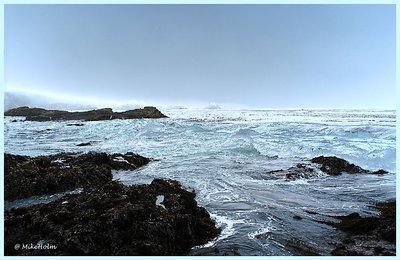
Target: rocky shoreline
column 40, row 114
column 161, row 218
column 107, row 218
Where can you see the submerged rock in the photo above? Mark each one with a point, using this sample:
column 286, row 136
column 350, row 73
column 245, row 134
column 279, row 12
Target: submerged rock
column 40, row 114
column 297, row 217
column 76, row 124
column 113, row 219
column 26, row 176
column 302, row 171
column 368, row 235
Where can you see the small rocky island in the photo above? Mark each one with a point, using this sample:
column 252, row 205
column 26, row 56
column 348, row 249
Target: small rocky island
column 107, row 217
column 40, row 114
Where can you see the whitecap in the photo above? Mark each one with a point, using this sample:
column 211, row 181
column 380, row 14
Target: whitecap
column 227, row 226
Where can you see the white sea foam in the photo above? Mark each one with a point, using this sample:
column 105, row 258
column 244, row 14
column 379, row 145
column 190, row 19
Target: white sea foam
column 160, row 201
column 120, row 159
column 228, row 229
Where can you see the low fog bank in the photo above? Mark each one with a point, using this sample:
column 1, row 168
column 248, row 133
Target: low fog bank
column 19, row 99
column 13, row 100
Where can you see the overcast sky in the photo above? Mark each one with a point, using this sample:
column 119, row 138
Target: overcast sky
column 260, row 56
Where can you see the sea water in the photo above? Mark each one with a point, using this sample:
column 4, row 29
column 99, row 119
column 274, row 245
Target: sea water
column 227, row 157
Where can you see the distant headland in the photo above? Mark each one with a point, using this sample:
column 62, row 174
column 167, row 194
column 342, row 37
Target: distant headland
column 41, row 114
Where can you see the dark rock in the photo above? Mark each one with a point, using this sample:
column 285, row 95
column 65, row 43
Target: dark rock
column 320, row 166
column 128, row 161
column 387, row 218
column 302, row 248
column 24, row 111
column 310, row 212
column 40, row 114
column 344, row 250
column 356, row 224
column 26, row 176
column 296, row 217
column 301, row 171
column 113, row 219
column 223, row 250
column 84, row 144
column 77, row 124
column 379, row 172
column 368, row 235
column 146, row 112
column 333, row 165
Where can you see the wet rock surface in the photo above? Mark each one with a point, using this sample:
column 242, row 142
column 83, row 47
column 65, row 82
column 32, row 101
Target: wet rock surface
column 40, row 114
column 26, row 176
column 113, row 219
column 368, row 235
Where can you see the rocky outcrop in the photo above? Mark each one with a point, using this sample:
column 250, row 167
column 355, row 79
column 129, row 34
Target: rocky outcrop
column 368, row 235
column 330, row 165
column 40, row 114
column 113, row 219
column 106, row 217
column 333, row 165
column 26, row 176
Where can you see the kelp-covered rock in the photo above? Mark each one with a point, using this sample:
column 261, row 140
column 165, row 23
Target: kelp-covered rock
column 333, row 165
column 113, row 220
column 107, row 218
column 40, row 114
column 26, row 176
column 368, row 235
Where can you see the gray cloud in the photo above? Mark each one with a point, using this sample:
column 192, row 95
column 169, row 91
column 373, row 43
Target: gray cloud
column 261, row 56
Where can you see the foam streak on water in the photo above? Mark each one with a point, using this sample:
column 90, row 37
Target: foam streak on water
column 226, row 156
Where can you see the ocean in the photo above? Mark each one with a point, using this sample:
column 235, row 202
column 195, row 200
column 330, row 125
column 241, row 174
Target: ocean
column 229, row 157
